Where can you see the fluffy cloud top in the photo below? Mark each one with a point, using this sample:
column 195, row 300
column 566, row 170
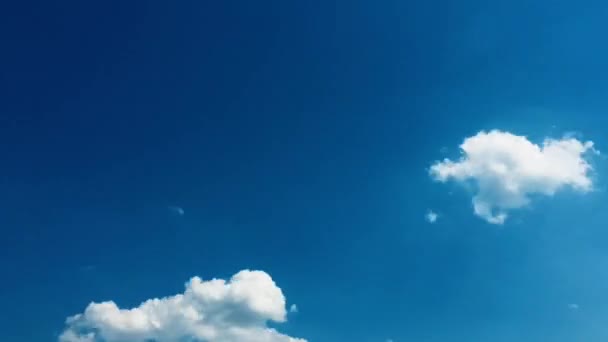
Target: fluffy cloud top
column 508, row 168
column 211, row 311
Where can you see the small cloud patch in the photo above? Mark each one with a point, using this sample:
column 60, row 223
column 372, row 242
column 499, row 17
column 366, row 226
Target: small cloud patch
column 431, row 216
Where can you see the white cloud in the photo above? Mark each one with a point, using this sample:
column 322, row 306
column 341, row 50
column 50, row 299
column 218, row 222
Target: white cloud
column 508, row 168
column 431, row 216
column 211, row 311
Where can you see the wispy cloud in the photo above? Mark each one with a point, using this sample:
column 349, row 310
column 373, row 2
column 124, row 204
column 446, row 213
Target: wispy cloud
column 573, row 306
column 88, row 268
column 177, row 210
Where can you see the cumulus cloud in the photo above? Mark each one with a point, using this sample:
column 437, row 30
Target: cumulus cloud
column 431, row 216
column 212, row 311
column 507, row 169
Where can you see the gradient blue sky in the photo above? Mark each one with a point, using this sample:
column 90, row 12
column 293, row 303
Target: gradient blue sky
column 297, row 138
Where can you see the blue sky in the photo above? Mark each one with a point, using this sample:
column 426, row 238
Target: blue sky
column 298, row 140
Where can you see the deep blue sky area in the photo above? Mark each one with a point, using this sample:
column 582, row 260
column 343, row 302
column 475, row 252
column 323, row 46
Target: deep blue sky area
column 297, row 137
